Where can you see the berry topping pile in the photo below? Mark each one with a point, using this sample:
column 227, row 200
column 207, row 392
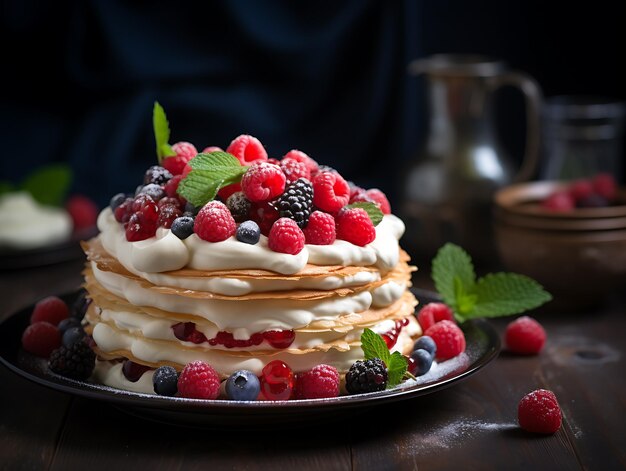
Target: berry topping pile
column 539, row 412
column 242, row 193
column 596, row 192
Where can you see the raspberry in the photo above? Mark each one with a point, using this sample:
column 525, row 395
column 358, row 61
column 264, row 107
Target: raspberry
column 320, row 230
column 321, row 381
column 300, row 156
column 247, row 149
column 229, row 190
column 605, row 186
column 76, row 361
column 294, row 170
column 171, row 187
column 167, row 214
column 355, row 226
column 580, row 189
column 380, row 199
column 330, row 191
column 175, row 164
column 560, row 202
column 525, row 336
column 208, row 150
column 263, row 182
column 214, row 223
column 51, row 309
column 539, row 412
column 265, row 215
column 359, row 195
column 239, row 206
column 170, row 201
column 286, row 237
column 41, row 338
column 273, row 161
column 432, row 313
column 157, row 174
column 198, row 380
column 448, row 337
column 296, row 202
column 83, row 211
column 366, row 376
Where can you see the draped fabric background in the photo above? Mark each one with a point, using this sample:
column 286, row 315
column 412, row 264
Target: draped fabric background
column 327, row 77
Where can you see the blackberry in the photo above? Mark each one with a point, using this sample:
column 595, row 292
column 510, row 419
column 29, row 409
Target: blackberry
column 117, row 200
column 154, row 191
column 157, row 174
column 366, row 376
column 296, row 202
column 165, row 381
column 239, row 206
column 76, row 361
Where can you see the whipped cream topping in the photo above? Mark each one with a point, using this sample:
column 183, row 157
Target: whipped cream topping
column 166, row 252
column 27, row 225
column 387, row 294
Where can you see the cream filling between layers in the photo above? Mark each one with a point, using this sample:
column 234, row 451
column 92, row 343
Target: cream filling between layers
column 165, row 252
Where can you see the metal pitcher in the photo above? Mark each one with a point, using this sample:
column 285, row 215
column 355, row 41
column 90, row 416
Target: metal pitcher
column 448, row 189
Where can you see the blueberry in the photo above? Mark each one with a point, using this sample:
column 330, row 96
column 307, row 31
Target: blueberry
column 165, row 381
column 80, row 305
column 117, row 200
column 423, row 360
column 68, row 323
column 427, row 343
column 248, row 232
column 243, row 385
column 153, row 190
column 73, row 335
column 182, row 227
column 190, row 209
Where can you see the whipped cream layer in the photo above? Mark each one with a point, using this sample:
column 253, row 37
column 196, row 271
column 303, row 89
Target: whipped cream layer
column 27, row 225
column 165, row 252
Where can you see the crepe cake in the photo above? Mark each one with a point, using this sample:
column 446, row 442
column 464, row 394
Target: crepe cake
column 171, row 297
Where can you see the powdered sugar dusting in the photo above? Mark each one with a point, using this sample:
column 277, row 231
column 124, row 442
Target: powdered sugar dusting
column 447, row 436
column 440, row 370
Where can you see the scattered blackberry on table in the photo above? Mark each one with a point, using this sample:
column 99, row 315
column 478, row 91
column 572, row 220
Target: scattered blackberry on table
column 248, row 232
column 157, row 174
column 182, row 227
column 366, row 376
column 76, row 361
column 165, row 381
column 243, row 385
column 239, row 206
column 296, row 202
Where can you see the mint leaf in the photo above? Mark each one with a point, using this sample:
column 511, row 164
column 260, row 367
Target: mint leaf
column 396, row 368
column 6, row 187
column 209, row 173
column 373, row 211
column 49, row 185
column 453, row 273
column 504, row 294
column 161, row 132
column 374, row 346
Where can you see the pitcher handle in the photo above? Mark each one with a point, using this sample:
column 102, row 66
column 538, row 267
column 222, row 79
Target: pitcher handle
column 533, row 98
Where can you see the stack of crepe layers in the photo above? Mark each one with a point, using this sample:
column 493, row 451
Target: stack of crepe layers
column 305, row 322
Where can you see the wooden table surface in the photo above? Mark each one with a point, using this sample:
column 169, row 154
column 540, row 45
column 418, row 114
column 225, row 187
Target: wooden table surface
column 471, row 425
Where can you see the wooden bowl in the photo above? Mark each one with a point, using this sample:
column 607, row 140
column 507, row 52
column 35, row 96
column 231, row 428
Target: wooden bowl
column 579, row 256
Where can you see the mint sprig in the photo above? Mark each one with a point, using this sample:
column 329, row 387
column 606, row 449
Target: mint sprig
column 494, row 295
column 374, row 346
column 373, row 211
column 209, row 173
column 161, row 132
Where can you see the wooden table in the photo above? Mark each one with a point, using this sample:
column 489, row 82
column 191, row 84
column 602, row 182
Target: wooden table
column 471, row 425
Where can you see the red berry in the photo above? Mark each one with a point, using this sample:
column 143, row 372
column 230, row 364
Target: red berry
column 199, row 380
column 225, row 192
column 143, row 222
column 187, row 332
column 214, row 223
column 277, row 381
column 41, row 338
column 539, row 412
column 355, row 226
column 300, row 156
column 380, row 199
column 448, row 337
column 208, row 150
column 580, row 190
column 175, row 164
column 263, row 182
column 83, row 211
column 169, row 201
column 247, row 149
column 432, row 313
column 51, row 309
column 525, row 336
column 133, row 371
column 560, row 202
column 171, row 187
column 273, row 161
column 330, row 191
column 167, row 214
column 286, row 237
column 359, row 195
column 294, row 170
column 265, row 215
column 605, row 186
column 124, row 211
column 279, row 338
column 321, row 229
column 321, row 381
column 185, row 149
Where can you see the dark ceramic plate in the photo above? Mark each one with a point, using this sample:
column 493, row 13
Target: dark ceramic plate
column 483, row 345
column 49, row 255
